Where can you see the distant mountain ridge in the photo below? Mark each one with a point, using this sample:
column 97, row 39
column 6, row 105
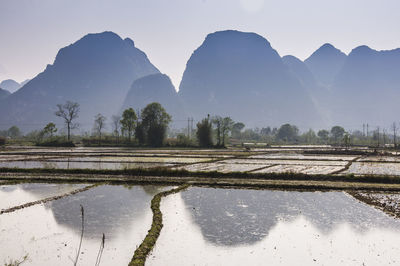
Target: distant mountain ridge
column 231, row 73
column 155, row 88
column 4, row 93
column 240, row 75
column 95, row 71
column 367, row 88
column 315, row 90
column 10, row 85
column 300, row 70
column 325, row 63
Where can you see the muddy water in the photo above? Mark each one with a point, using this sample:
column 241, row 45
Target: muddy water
column 50, row 233
column 147, row 159
column 14, row 195
column 222, row 167
column 368, row 168
column 204, row 226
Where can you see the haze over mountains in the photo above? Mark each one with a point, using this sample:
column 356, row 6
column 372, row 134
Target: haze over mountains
column 367, row 87
column 325, row 63
column 232, row 73
column 240, row 75
column 10, row 85
column 4, row 93
column 96, row 71
column 155, row 88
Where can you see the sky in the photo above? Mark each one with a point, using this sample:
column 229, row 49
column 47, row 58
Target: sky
column 168, row 31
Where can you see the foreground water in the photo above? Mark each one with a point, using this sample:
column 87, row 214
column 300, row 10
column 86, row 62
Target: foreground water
column 49, row 233
column 14, row 195
column 204, row 226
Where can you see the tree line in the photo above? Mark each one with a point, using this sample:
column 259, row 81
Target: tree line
column 149, row 127
column 336, row 135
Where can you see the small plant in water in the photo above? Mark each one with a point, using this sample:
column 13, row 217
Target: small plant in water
column 103, row 240
column 82, row 231
column 16, row 262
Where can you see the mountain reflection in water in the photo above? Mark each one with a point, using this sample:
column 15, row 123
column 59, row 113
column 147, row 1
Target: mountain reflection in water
column 107, row 209
column 232, row 217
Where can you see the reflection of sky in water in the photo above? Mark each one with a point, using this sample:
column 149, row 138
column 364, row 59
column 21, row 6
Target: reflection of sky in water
column 236, row 227
column 107, row 209
column 50, row 232
column 14, row 195
column 234, row 217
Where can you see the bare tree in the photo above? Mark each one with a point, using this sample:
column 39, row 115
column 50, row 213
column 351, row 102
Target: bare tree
column 116, row 124
column 394, row 128
column 99, row 124
column 69, row 112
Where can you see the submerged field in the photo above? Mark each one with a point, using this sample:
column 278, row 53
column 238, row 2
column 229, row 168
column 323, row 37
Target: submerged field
column 255, row 207
column 284, row 159
column 202, row 226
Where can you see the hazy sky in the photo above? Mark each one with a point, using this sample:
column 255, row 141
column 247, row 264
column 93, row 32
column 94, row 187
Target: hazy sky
column 32, row 31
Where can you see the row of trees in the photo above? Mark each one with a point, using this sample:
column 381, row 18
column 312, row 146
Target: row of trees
column 288, row 133
column 222, row 127
column 148, row 127
column 13, row 133
column 291, row 134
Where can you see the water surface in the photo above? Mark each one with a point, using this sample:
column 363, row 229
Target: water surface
column 81, row 165
column 249, row 227
column 50, row 233
column 14, row 195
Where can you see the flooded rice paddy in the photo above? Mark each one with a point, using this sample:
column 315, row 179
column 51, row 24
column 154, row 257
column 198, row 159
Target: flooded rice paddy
column 305, row 169
column 374, row 168
column 277, row 159
column 81, row 165
column 15, row 195
column 204, row 226
column 50, row 233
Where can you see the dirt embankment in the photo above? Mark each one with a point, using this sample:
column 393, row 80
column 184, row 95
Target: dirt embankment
column 387, row 202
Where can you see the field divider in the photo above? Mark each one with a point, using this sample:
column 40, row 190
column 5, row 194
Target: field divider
column 297, row 159
column 141, row 253
column 163, row 173
column 280, row 182
column 213, row 160
column 32, row 203
column 262, row 168
column 346, row 167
